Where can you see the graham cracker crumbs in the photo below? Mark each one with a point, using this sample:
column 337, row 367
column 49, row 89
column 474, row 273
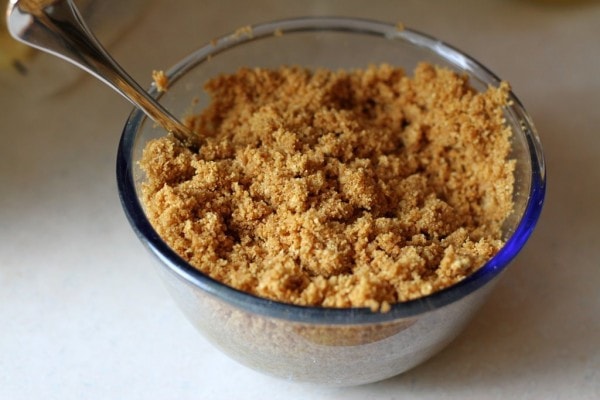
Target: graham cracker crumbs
column 243, row 31
column 160, row 80
column 358, row 188
column 400, row 26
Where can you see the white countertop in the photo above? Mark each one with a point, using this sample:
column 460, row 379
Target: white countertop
column 84, row 316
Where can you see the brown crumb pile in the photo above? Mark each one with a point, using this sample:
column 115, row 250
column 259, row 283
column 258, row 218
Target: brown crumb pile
column 357, row 188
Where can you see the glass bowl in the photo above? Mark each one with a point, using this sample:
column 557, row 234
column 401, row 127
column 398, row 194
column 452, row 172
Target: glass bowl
column 325, row 345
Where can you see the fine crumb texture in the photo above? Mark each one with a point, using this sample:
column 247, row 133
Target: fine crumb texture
column 358, row 188
column 160, row 80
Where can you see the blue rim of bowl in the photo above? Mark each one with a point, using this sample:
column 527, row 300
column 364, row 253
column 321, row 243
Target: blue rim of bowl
column 324, row 315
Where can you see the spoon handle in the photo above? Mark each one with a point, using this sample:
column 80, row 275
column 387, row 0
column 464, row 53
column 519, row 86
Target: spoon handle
column 56, row 27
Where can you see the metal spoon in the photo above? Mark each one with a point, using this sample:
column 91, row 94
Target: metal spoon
column 56, row 27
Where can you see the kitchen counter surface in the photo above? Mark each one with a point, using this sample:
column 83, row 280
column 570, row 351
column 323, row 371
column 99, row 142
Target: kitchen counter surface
column 83, row 314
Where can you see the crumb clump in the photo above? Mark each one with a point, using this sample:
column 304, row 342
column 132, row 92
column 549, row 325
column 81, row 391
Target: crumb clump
column 358, row 188
column 243, row 31
column 161, row 81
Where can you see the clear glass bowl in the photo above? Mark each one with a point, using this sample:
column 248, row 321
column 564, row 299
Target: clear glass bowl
column 325, row 345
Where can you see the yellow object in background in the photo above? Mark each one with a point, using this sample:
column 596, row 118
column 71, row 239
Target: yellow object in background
column 12, row 52
column 30, row 72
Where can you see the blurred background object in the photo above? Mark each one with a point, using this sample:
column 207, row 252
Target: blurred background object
column 12, row 53
column 21, row 65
